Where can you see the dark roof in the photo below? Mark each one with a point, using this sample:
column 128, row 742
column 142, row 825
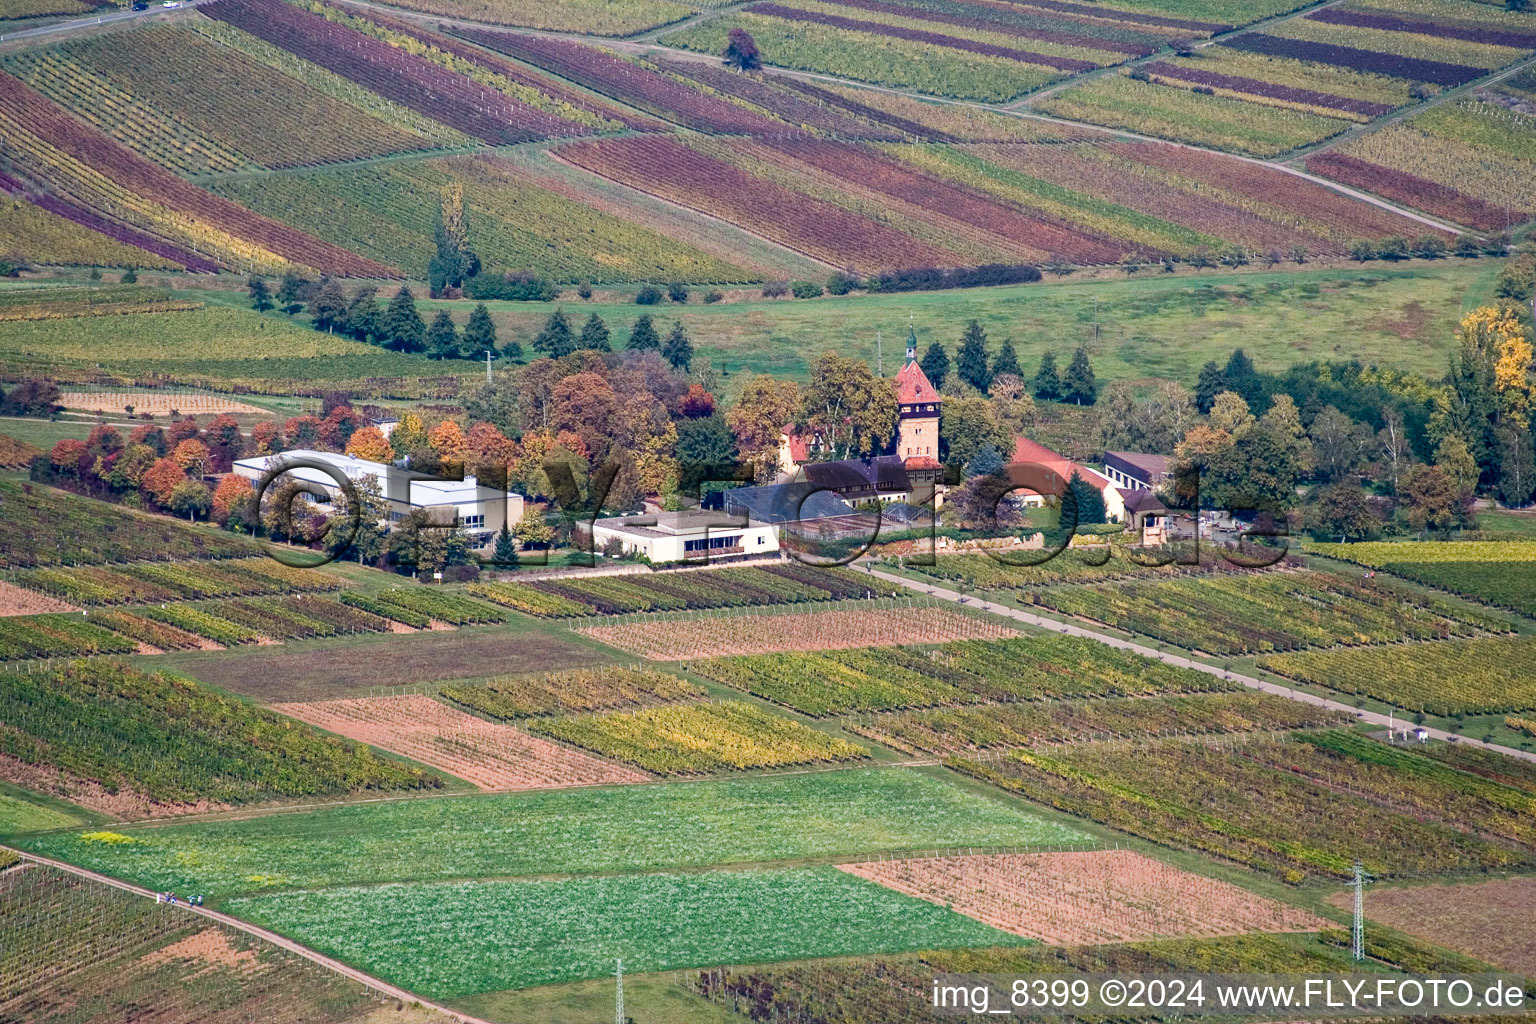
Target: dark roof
column 883, row 472
column 1142, row 465
column 784, row 503
column 1142, row 501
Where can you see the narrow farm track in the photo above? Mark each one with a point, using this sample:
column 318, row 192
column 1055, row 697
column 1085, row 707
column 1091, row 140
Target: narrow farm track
column 384, row 988
column 1180, row 661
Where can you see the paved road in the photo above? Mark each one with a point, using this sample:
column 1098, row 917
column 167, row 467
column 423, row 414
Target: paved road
column 79, row 24
column 1071, row 629
column 384, row 988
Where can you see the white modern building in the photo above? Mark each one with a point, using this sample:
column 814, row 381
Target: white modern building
column 687, row 536
column 480, row 511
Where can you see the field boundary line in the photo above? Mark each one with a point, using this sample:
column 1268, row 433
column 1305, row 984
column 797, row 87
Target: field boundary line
column 1181, row 661
column 383, row 988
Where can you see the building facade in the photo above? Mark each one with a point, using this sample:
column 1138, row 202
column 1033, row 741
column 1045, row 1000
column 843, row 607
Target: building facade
column 693, row 535
column 479, row 511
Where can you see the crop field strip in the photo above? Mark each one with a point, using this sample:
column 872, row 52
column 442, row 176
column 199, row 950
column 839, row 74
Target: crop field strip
column 969, row 49
column 253, row 353
column 656, row 722
column 811, row 816
column 699, row 738
column 957, row 674
column 1460, row 677
column 967, row 731
column 132, row 85
column 898, row 989
column 78, row 950
column 691, row 637
column 90, row 173
column 728, row 587
column 1092, row 897
column 493, row 756
column 138, row 744
column 573, row 691
column 51, row 528
column 387, row 212
column 1305, row 805
column 1492, row 572
column 450, row 939
column 1489, row 920
column 1308, row 79
column 1260, row 613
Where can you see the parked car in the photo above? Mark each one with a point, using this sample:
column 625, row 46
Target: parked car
column 140, row 5
column 171, row 3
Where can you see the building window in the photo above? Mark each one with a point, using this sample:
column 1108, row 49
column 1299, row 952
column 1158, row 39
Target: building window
column 712, row 543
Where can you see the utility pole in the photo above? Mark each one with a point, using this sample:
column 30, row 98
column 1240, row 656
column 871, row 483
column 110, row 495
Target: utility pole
column 1357, row 932
column 489, row 355
column 879, row 355
column 618, row 997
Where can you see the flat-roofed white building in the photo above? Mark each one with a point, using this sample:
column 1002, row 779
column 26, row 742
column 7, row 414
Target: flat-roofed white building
column 480, row 511
column 693, row 535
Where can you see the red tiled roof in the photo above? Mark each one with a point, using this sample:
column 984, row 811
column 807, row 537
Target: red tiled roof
column 1027, row 451
column 912, row 386
column 797, row 447
column 923, row 462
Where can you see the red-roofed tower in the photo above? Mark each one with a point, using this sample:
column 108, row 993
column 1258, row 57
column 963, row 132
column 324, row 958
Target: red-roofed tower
column 917, row 404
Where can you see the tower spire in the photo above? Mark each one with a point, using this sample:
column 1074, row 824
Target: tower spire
column 911, row 340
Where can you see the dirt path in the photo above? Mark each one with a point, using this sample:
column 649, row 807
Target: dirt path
column 384, row 988
column 1180, row 661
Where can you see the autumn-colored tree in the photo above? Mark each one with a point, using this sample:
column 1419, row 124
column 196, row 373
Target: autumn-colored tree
column 68, row 456
column 266, row 438
column 129, row 467
column 585, row 404
column 741, row 50
column 1230, row 414
column 697, row 402
column 493, row 457
column 339, row 425
column 224, row 440
column 192, row 456
column 448, row 441
column 764, row 408
column 161, row 479
column 851, row 408
column 103, row 440
column 184, row 429
column 231, row 499
column 370, row 445
column 410, row 434
column 150, row 435
column 303, row 431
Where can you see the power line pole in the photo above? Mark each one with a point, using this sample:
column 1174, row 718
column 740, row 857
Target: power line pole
column 618, row 996
column 1357, row 931
column 489, row 355
column 879, row 355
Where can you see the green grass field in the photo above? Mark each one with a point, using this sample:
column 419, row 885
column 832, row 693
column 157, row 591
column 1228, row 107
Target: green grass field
column 23, row 811
column 1149, row 325
column 459, row 938
column 631, row 828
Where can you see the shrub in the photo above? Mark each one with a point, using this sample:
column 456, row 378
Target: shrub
column 519, row 286
column 774, row 289
column 931, row 278
column 648, row 296
column 712, row 296
column 677, row 291
column 805, row 289
column 842, row 282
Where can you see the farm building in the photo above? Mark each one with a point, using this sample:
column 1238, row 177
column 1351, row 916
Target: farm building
column 480, row 511
column 1136, row 470
column 1029, row 453
column 687, row 535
